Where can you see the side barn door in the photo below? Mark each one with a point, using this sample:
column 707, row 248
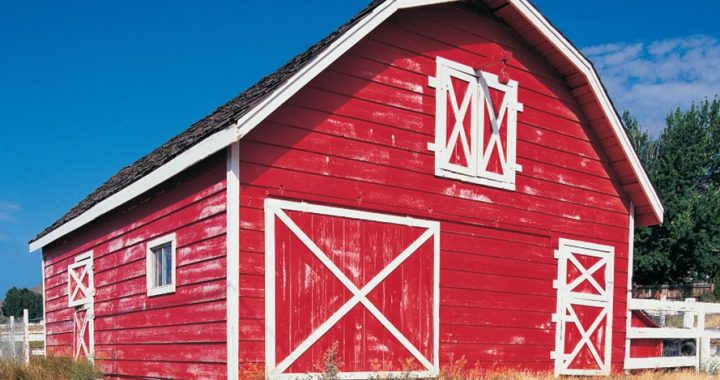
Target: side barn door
column 364, row 285
column 584, row 308
column 81, row 296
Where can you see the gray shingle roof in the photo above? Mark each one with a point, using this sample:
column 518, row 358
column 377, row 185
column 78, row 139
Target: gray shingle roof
column 222, row 117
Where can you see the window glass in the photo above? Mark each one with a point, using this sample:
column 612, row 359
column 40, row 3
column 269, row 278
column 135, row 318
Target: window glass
column 161, row 265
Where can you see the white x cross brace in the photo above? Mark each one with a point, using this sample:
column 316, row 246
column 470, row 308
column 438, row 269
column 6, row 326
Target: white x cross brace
column 359, row 296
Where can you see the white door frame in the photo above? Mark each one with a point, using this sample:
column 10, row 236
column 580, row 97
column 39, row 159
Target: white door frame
column 567, row 297
column 275, row 208
column 82, row 299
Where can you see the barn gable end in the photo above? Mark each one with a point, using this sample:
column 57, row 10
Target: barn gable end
column 357, row 137
column 355, row 216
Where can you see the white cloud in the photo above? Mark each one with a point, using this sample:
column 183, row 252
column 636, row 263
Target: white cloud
column 652, row 79
column 7, row 210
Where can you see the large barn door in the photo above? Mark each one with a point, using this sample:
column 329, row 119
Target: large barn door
column 364, row 283
column 584, row 308
column 81, row 294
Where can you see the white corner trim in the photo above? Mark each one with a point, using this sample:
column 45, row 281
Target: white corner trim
column 44, row 300
column 561, row 43
column 630, row 258
column 232, row 242
column 152, row 289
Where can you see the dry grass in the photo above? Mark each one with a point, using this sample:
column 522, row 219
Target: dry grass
column 676, row 375
column 257, row 373
column 712, row 321
column 460, row 370
column 55, row 368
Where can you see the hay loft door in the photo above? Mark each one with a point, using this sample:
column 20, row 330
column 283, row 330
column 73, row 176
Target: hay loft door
column 584, row 308
column 81, row 295
column 364, row 283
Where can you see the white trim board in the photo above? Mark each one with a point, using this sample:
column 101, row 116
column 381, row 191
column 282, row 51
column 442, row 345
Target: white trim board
column 44, row 302
column 232, row 242
column 275, row 99
column 175, row 166
column 564, row 46
column 275, row 209
column 630, row 270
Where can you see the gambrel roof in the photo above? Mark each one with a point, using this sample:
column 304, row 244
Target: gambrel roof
column 240, row 115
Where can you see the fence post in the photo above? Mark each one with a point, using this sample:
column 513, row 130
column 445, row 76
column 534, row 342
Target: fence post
column 26, row 336
column 689, row 322
column 662, row 313
column 701, row 341
column 13, row 350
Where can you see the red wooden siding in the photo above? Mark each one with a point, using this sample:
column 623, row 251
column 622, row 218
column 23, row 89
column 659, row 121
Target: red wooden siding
column 179, row 335
column 356, row 137
column 368, row 249
column 644, row 348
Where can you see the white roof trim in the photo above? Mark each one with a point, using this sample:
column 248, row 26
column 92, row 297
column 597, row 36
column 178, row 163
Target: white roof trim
column 257, row 114
column 183, row 161
column 561, row 43
column 245, row 124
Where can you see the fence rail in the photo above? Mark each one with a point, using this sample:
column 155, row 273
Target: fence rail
column 692, row 327
column 18, row 336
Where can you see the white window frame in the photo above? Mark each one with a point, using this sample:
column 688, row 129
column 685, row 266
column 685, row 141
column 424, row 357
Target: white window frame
column 84, row 261
column 152, row 289
column 476, row 101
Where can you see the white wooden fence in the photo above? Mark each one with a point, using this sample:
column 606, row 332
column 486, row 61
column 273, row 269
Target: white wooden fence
column 17, row 336
column 692, row 327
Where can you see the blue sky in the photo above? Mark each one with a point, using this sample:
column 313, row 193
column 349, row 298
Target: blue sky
column 88, row 87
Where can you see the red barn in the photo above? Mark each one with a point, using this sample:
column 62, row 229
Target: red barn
column 644, row 348
column 434, row 180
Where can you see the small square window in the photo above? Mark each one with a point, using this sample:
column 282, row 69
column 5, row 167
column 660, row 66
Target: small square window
column 161, row 265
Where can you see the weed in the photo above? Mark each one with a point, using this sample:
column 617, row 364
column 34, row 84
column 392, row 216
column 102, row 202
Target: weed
column 252, row 371
column 56, row 368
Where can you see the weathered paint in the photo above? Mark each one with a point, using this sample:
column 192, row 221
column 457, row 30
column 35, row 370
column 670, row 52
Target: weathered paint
column 178, row 335
column 357, row 137
column 644, row 348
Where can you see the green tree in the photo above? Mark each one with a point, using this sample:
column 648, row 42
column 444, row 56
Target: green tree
column 18, row 299
column 683, row 165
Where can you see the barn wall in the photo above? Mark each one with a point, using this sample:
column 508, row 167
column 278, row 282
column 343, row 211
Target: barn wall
column 357, row 137
column 179, row 335
column 644, row 348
